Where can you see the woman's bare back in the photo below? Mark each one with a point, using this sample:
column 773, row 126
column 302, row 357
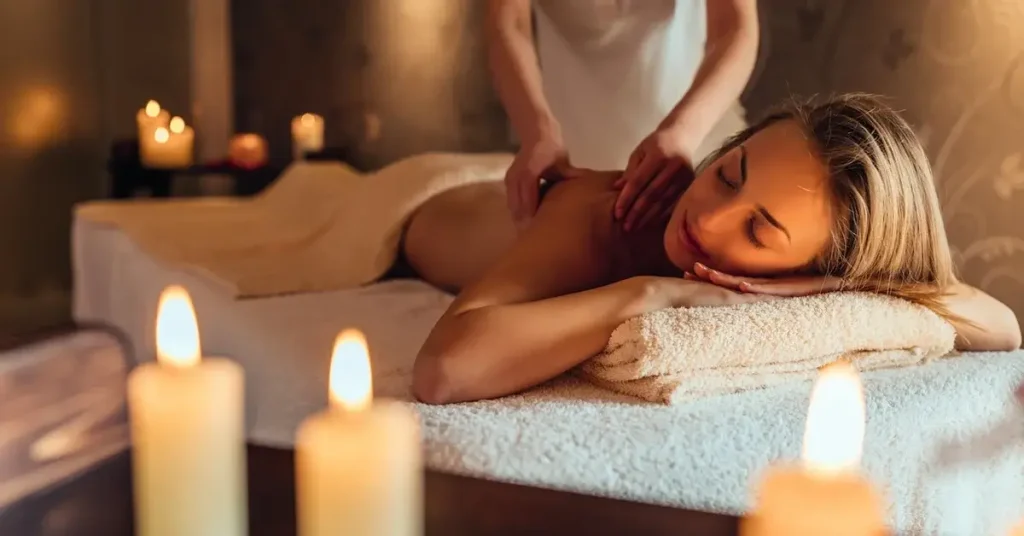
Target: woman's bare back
column 456, row 236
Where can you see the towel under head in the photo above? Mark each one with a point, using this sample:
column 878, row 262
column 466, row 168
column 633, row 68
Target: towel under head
column 675, row 354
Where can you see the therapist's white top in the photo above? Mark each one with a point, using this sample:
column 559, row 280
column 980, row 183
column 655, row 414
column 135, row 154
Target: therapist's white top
column 613, row 69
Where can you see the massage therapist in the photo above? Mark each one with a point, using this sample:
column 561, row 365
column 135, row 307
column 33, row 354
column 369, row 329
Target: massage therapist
column 649, row 86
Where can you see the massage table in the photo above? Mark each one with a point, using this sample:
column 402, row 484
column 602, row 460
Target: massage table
column 567, row 434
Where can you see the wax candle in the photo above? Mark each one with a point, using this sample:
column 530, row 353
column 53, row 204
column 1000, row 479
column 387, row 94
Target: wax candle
column 358, row 467
column 188, row 446
column 307, row 134
column 169, row 148
column 247, row 150
column 825, row 494
column 150, row 118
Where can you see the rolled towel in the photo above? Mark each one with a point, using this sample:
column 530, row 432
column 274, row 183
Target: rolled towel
column 673, row 355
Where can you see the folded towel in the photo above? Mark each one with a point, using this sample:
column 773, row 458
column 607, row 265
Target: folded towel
column 319, row 227
column 678, row 354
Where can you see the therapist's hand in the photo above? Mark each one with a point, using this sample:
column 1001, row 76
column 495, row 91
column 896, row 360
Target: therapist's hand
column 545, row 158
column 659, row 169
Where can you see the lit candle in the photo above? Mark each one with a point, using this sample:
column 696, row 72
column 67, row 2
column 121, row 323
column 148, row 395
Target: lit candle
column 188, row 445
column 247, row 150
column 307, row 134
column 358, row 468
column 826, row 494
column 168, row 148
column 150, row 118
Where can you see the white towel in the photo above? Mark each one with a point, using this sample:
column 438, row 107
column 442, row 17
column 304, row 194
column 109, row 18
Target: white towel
column 319, row 227
column 673, row 355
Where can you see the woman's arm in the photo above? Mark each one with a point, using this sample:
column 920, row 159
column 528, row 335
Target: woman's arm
column 730, row 53
column 517, row 78
column 544, row 308
column 994, row 328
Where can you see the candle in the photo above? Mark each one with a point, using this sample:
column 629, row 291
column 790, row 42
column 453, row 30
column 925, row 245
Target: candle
column 307, row 134
column 825, row 494
column 357, row 464
column 188, row 446
column 247, row 150
column 168, row 148
column 150, row 118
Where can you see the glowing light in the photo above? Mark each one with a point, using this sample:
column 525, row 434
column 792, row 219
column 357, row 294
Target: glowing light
column 834, row 434
column 152, row 108
column 177, row 334
column 161, row 135
column 351, row 381
column 177, row 125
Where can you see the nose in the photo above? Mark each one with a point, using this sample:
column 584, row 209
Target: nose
column 717, row 218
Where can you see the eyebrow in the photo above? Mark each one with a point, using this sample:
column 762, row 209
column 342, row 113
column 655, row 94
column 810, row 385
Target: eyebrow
column 771, row 219
column 764, row 212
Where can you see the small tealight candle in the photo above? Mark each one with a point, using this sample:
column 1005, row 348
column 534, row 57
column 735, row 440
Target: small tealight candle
column 307, row 135
column 247, row 150
column 150, row 118
column 826, row 494
column 358, row 467
column 188, row 444
column 168, row 148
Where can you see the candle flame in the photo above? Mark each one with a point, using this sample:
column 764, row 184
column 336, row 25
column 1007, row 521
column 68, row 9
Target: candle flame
column 152, row 108
column 177, row 125
column 308, row 119
column 834, row 433
column 351, row 382
column 161, row 135
column 177, row 335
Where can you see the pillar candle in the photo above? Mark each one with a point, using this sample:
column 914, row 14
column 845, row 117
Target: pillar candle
column 358, row 464
column 168, row 148
column 188, row 443
column 307, row 134
column 825, row 493
column 150, row 118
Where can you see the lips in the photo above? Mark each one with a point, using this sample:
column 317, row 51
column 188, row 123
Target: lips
column 689, row 241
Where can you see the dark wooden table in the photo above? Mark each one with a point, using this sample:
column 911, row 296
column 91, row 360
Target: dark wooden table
column 100, row 503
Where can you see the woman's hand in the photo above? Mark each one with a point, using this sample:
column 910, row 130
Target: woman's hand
column 545, row 158
column 659, row 169
column 788, row 286
column 668, row 292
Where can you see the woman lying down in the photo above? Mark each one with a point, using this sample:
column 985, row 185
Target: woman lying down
column 817, row 198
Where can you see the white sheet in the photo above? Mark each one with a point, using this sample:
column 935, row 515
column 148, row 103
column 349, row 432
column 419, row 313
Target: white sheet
column 570, row 435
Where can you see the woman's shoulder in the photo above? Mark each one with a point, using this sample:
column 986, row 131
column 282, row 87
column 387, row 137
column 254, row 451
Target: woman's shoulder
column 587, row 189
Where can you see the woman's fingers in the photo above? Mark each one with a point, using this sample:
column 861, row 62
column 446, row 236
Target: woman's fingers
column 634, row 162
column 652, row 195
column 634, row 184
column 802, row 286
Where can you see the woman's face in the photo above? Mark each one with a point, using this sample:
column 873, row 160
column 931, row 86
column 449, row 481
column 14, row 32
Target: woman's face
column 761, row 209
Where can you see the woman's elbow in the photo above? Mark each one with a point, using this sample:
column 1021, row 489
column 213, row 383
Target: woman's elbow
column 431, row 383
column 442, row 377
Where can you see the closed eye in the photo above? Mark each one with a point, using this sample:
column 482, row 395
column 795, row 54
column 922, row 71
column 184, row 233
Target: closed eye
column 725, row 180
column 752, row 235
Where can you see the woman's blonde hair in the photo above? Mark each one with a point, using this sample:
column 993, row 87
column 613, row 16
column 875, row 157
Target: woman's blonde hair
column 888, row 235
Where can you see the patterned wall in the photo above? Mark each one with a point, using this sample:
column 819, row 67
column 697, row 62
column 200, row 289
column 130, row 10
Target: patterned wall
column 956, row 69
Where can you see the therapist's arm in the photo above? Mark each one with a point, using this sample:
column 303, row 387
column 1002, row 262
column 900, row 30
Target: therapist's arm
column 660, row 167
column 730, row 53
column 516, row 72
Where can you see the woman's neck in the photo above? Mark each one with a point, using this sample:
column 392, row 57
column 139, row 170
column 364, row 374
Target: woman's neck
column 641, row 252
